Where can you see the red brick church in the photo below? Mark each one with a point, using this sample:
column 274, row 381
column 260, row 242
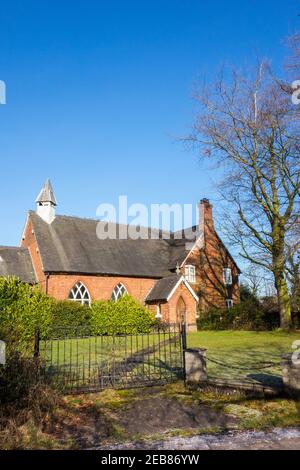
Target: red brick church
column 174, row 279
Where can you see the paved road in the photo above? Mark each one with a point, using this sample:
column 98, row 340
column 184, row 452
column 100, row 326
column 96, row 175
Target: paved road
column 277, row 439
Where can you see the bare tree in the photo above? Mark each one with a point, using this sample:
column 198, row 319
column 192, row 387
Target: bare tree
column 255, row 279
column 249, row 125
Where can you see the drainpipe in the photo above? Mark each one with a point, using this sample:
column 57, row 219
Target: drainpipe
column 47, row 282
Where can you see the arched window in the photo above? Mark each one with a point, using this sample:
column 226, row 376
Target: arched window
column 80, row 294
column 118, row 292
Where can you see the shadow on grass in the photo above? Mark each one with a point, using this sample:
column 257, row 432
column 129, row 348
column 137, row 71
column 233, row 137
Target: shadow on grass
column 260, row 366
column 267, row 380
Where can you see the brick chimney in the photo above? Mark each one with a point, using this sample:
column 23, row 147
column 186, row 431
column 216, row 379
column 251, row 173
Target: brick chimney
column 205, row 215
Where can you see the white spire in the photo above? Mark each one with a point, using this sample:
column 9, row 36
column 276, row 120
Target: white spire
column 46, row 203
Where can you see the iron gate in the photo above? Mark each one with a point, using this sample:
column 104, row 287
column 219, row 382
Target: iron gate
column 78, row 361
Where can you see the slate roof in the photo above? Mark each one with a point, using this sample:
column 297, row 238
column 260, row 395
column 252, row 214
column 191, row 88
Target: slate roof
column 71, row 245
column 163, row 288
column 16, row 261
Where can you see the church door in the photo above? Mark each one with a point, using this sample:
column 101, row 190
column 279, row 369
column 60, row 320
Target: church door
column 181, row 311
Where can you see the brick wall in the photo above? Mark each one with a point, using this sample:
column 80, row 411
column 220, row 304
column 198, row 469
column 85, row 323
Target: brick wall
column 29, row 241
column 99, row 287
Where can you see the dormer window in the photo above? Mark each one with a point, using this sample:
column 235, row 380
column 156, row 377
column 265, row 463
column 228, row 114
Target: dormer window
column 190, row 273
column 227, row 274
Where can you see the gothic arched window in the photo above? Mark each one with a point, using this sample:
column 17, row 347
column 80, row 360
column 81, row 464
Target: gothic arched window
column 118, row 292
column 79, row 293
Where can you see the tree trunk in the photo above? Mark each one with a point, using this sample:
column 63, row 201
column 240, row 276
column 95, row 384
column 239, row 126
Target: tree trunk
column 284, row 303
column 283, row 297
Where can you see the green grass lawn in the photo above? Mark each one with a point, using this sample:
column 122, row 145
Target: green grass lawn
column 250, row 350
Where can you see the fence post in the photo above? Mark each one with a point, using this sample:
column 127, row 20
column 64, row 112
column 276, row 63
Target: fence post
column 183, row 335
column 184, row 346
column 36, row 353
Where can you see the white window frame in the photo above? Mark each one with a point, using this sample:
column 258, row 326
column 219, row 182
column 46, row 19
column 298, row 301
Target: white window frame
column 118, row 292
column 190, row 273
column 80, row 294
column 227, row 276
column 229, row 303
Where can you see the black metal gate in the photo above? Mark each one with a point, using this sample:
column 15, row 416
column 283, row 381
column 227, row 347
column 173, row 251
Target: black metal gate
column 79, row 361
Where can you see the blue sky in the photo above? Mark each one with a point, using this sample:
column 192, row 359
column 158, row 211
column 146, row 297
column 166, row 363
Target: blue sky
column 98, row 93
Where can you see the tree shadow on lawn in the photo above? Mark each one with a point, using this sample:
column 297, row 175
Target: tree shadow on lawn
column 267, row 380
column 260, row 366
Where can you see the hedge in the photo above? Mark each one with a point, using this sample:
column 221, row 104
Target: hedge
column 103, row 317
column 247, row 315
column 125, row 316
column 68, row 318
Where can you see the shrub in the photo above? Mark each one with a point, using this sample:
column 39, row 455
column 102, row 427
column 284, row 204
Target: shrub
column 126, row 315
column 246, row 315
column 18, row 378
column 23, row 308
column 68, row 317
column 28, row 400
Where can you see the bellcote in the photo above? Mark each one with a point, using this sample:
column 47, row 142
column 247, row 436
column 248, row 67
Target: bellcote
column 46, row 203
